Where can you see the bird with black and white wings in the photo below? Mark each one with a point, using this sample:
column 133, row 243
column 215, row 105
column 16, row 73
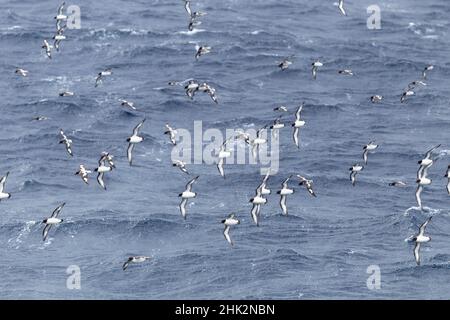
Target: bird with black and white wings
column 172, row 134
column 341, row 7
column 67, row 142
column 308, row 183
column 231, row 220
column 284, row 192
column 133, row 140
column 186, row 195
column 223, row 154
column 181, row 165
column 298, row 123
column 53, row 220
column 419, row 239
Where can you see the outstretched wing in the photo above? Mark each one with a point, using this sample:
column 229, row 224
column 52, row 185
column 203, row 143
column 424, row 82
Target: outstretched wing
column 254, row 212
column 100, row 180
column 423, row 226
column 418, row 192
column 298, row 112
column 295, row 136
column 138, row 127
column 57, row 211
column 190, row 183
column 417, row 253
column 45, row 231
column 283, row 204
column 365, row 154
column 183, row 207
column 187, row 6
column 226, row 233
column 129, row 153
column 220, row 167
column 3, row 182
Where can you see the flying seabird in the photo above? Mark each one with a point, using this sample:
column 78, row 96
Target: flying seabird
column 257, row 201
column 223, row 153
column 133, row 140
column 22, row 72
column 204, row 87
column 285, row 63
column 128, row 104
column 283, row 193
column 421, row 183
column 298, row 124
column 243, row 136
column 397, row 184
column 201, row 50
column 371, row 146
column 419, row 239
column 315, row 67
column 106, row 156
column 101, row 75
column 136, row 259
column 308, row 184
column 83, row 173
column 428, row 161
column 48, row 49
column 186, row 195
column 101, row 169
column 67, row 142
column 341, row 7
column 49, row 222
column 376, row 98
column 58, row 38
column 415, row 84
column 405, row 94
column 180, row 164
column 346, row 72
column 255, row 143
column 4, row 195
column 191, row 88
column 172, row 134
column 276, row 126
column 39, row 118
column 61, row 16
column 66, row 94
column 425, row 70
column 281, row 109
column 354, row 171
column 228, row 222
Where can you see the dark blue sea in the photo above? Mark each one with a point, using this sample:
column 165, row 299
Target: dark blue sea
column 322, row 249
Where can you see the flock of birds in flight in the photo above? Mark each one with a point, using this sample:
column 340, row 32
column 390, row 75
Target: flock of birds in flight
column 191, row 87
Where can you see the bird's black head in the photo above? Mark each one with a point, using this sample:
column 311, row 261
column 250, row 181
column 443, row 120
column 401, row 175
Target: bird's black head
column 223, row 221
column 44, row 221
column 128, row 139
column 62, row 220
column 180, row 194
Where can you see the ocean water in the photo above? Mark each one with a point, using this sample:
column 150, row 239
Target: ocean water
column 322, row 249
